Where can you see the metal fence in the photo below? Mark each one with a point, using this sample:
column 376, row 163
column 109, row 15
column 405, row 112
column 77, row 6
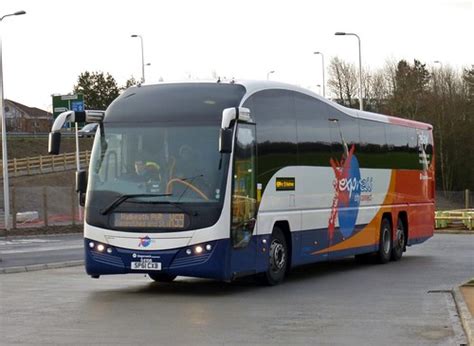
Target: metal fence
column 42, row 206
column 452, row 200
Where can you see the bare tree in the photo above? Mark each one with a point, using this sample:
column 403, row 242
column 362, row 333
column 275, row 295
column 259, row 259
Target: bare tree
column 377, row 91
column 335, row 83
column 342, row 80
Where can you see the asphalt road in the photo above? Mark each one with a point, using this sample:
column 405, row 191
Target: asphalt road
column 25, row 251
column 343, row 302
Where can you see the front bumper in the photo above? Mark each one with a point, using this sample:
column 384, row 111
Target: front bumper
column 211, row 262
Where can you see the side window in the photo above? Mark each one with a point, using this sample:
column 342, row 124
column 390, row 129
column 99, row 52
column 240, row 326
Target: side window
column 397, row 141
column 344, row 132
column 314, row 142
column 413, row 149
column 373, row 144
column 419, row 149
column 425, row 148
column 273, row 112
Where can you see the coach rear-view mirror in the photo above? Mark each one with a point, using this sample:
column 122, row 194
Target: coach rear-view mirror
column 225, row 141
column 81, row 181
column 81, row 186
column 54, row 143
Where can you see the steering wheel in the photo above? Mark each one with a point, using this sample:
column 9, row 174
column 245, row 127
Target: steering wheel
column 187, row 184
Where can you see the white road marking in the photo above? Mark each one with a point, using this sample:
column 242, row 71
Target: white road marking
column 42, row 249
column 27, row 241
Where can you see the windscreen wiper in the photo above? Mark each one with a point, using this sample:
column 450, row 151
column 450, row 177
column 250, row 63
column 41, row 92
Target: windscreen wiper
column 119, row 200
column 191, row 180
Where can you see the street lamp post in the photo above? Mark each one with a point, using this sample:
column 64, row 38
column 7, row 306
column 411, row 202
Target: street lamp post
column 324, row 81
column 360, row 65
column 269, row 73
column 6, row 186
column 143, row 57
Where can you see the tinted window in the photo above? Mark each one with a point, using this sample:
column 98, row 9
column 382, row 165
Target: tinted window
column 373, row 146
column 344, row 132
column 196, row 102
column 273, row 111
column 314, row 143
column 413, row 160
column 397, row 144
column 425, row 148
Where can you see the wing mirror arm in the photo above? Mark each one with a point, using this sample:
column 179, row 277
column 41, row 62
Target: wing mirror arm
column 229, row 116
column 54, row 140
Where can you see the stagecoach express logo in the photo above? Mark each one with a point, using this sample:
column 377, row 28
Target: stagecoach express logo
column 423, row 158
column 348, row 186
column 144, row 241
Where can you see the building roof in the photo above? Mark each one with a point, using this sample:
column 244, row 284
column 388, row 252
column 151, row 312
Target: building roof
column 31, row 111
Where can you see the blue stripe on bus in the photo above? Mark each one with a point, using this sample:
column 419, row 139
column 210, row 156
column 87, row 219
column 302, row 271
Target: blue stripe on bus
column 223, row 262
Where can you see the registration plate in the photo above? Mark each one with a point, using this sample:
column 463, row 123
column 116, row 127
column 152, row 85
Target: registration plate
column 146, row 265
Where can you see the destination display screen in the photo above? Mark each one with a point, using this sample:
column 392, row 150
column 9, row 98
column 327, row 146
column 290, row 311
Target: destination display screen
column 150, row 220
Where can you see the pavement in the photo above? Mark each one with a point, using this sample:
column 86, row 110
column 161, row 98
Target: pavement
column 29, row 253
column 464, row 297
column 344, row 302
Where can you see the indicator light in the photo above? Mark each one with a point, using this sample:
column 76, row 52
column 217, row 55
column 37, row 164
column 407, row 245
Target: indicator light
column 189, row 252
column 91, row 244
column 208, row 247
column 109, row 250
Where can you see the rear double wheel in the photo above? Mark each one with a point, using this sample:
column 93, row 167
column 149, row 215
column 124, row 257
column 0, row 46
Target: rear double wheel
column 385, row 243
column 277, row 259
column 399, row 241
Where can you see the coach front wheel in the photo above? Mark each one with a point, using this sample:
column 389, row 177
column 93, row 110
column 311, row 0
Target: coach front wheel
column 277, row 259
column 385, row 242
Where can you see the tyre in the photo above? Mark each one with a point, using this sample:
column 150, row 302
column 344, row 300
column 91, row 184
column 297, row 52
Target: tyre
column 399, row 242
column 161, row 277
column 385, row 242
column 277, row 259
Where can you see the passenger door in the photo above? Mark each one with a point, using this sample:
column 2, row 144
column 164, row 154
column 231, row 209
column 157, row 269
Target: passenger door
column 244, row 201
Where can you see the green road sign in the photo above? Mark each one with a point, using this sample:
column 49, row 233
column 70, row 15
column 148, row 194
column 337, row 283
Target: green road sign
column 63, row 103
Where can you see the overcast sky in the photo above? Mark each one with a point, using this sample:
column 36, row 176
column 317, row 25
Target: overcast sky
column 45, row 50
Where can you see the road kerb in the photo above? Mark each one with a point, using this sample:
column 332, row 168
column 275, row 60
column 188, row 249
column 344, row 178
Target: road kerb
column 36, row 267
column 464, row 314
column 453, row 231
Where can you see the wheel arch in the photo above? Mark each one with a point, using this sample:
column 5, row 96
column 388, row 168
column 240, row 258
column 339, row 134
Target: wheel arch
column 387, row 215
